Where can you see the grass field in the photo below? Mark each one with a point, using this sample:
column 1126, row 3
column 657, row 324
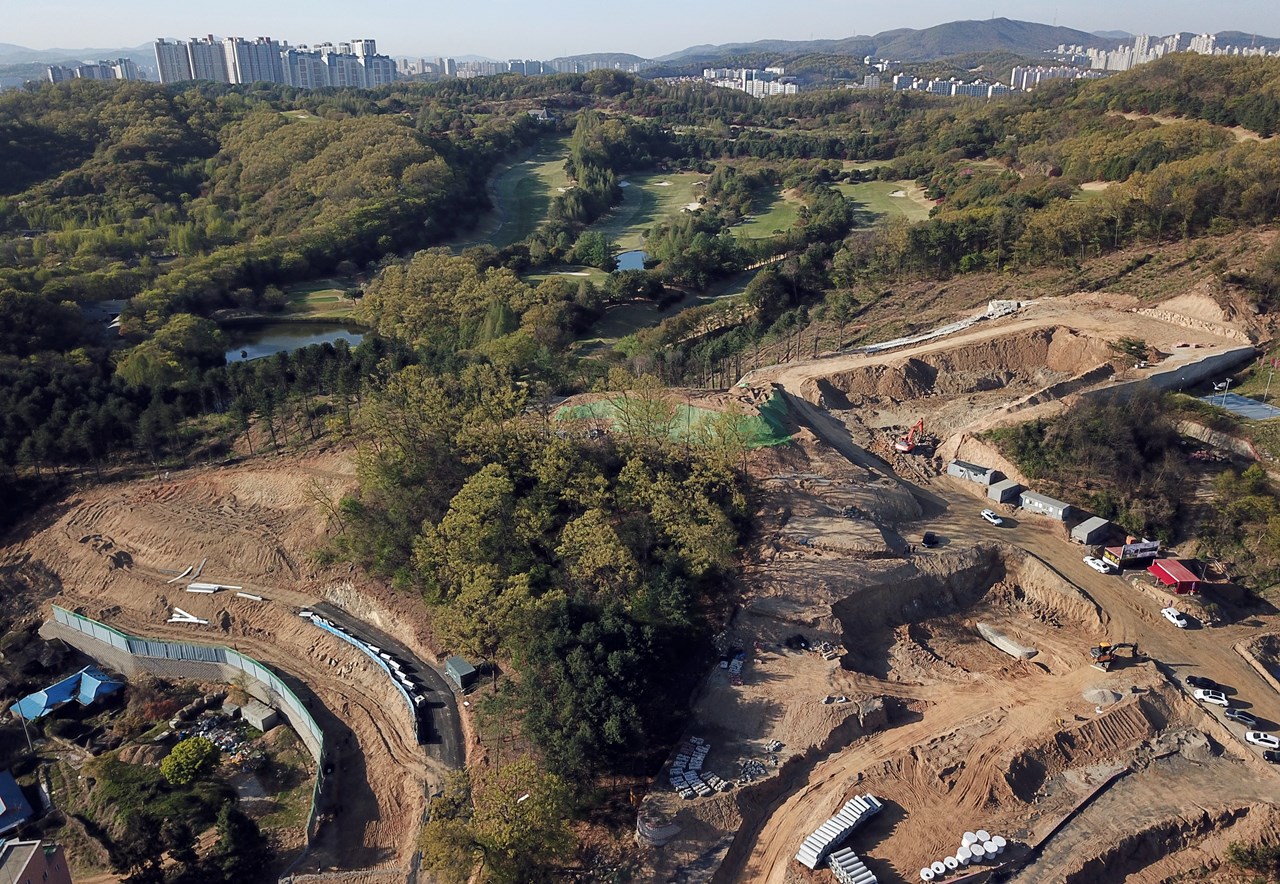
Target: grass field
column 778, row 216
column 647, row 200
column 621, row 320
column 571, row 272
column 522, row 193
column 319, row 299
column 875, row 201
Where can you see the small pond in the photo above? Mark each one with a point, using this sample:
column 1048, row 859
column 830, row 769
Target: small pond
column 633, row 260
column 268, row 338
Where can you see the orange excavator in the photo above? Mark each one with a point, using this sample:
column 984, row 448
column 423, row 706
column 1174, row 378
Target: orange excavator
column 907, row 443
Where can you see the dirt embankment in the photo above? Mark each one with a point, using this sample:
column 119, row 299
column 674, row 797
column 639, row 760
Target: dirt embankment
column 953, row 582
column 1038, row 357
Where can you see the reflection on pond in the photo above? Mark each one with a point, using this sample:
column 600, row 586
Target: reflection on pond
column 269, row 338
column 633, row 260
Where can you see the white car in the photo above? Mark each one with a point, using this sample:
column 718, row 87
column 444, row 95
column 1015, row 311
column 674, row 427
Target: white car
column 1174, row 616
column 1215, row 698
column 1097, row 564
column 1266, row 741
column 991, row 517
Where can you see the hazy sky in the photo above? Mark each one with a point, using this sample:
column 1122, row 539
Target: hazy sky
column 534, row 29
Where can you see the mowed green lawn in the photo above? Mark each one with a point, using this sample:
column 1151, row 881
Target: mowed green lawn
column 571, row 272
column 648, row 199
column 778, row 216
column 320, row 299
column 875, row 201
column 522, row 194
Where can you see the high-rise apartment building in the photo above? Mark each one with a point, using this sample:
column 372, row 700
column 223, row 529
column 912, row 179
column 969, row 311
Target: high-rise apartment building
column 253, row 62
column 353, row 64
column 207, row 60
column 172, row 61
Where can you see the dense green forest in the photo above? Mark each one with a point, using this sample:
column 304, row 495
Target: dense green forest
column 590, row 568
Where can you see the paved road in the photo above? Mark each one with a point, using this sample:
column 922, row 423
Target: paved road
column 444, row 729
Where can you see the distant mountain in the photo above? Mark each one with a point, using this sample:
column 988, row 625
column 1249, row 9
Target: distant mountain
column 605, row 58
column 907, row 44
column 1114, row 35
column 1240, row 38
column 11, row 54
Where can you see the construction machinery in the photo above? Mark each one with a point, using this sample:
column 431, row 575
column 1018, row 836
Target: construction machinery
column 1104, row 655
column 907, row 443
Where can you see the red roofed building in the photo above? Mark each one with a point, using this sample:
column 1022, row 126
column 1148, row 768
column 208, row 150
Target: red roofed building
column 1176, row 576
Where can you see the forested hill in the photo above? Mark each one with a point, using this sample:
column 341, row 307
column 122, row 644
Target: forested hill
column 906, row 44
column 1226, row 91
column 182, row 198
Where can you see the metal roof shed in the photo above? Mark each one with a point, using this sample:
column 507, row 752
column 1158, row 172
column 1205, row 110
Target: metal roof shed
column 1092, row 530
column 14, row 807
column 1175, row 575
column 462, row 672
column 973, row 472
column 1046, row 506
column 1004, row 491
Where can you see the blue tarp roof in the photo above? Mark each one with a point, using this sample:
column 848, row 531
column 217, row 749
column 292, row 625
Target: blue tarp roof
column 14, row 808
column 95, row 683
column 86, row 686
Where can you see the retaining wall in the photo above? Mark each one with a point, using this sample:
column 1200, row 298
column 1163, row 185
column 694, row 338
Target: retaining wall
column 132, row 656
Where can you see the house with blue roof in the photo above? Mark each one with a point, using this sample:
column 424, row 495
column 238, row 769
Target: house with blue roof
column 86, row 686
column 14, row 807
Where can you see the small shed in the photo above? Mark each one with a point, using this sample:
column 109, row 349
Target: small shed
column 1004, row 491
column 1045, row 506
column 462, row 672
column 260, row 715
column 1091, row 531
column 972, row 472
column 14, row 807
column 1175, row 575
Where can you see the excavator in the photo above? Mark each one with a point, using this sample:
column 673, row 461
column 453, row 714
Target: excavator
column 1104, row 655
column 907, row 444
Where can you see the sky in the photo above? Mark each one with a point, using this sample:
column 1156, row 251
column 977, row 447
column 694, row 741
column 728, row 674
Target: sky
column 548, row 28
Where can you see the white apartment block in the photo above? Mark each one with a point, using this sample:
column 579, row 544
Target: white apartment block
column 353, row 64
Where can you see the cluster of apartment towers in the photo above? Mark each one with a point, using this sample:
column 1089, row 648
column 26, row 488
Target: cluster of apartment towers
column 237, row 60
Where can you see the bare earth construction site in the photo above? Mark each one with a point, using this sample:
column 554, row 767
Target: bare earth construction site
column 955, row 683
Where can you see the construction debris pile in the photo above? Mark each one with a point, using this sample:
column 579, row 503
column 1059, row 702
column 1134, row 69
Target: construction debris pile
column 228, row 735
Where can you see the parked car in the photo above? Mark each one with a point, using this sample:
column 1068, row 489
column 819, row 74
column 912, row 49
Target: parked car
column 1272, row 755
column 1174, row 616
column 1097, row 564
column 1199, row 681
column 1215, row 698
column 1241, row 716
column 990, row 516
column 1258, row 738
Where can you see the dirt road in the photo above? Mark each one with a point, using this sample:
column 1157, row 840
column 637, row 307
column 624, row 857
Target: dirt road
column 1130, row 615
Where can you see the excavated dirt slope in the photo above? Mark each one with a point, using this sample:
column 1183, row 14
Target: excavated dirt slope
column 110, row 552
